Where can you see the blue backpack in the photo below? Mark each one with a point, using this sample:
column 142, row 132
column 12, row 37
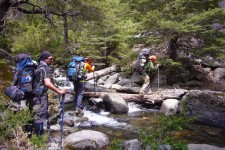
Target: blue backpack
column 23, row 78
column 74, row 68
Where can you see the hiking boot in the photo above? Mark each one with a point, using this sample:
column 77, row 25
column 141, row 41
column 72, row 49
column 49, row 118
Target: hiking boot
column 149, row 92
column 141, row 94
column 79, row 112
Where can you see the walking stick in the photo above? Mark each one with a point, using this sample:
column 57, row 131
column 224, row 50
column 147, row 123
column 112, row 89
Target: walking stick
column 94, row 81
column 158, row 79
column 62, row 121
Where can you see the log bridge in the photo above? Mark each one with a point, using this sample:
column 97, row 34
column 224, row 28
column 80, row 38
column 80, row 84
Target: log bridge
column 155, row 97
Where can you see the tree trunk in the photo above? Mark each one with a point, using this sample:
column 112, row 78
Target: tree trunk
column 172, row 49
column 4, row 7
column 65, row 25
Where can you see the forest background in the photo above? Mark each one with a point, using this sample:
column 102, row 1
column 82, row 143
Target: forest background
column 111, row 31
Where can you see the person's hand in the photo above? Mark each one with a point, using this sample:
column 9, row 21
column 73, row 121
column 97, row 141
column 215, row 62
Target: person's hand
column 63, row 91
column 157, row 65
column 93, row 67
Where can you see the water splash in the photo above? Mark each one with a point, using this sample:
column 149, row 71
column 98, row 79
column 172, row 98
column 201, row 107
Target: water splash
column 102, row 119
column 133, row 107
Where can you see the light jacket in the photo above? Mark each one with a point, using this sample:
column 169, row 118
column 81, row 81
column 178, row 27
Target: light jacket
column 86, row 67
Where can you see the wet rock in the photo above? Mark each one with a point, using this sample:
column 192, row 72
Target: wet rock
column 203, row 147
column 207, row 105
column 169, row 107
column 86, row 139
column 115, row 103
column 131, row 145
column 95, row 101
column 69, row 123
column 87, row 124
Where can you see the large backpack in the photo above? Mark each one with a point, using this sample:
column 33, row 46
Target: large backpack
column 74, row 68
column 139, row 65
column 23, row 78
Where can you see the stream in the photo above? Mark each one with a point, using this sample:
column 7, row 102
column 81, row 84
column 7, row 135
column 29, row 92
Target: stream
column 127, row 126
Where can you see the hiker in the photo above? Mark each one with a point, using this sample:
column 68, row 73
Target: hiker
column 79, row 85
column 142, row 67
column 42, row 83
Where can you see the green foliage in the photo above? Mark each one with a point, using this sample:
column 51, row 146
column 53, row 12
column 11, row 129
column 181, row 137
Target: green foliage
column 9, row 120
column 39, row 141
column 3, row 63
column 107, row 40
column 5, row 43
column 160, row 21
column 169, row 63
column 115, row 144
column 35, row 35
column 162, row 134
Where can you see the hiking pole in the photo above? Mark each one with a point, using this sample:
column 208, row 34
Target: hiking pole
column 158, row 80
column 62, row 121
column 94, row 81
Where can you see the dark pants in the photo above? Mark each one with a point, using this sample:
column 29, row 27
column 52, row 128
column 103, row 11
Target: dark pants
column 79, row 87
column 40, row 109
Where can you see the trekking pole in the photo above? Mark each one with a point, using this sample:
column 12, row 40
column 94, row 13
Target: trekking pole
column 94, row 81
column 158, row 79
column 62, row 121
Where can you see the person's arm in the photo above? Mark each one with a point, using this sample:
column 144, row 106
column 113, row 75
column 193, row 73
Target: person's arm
column 89, row 68
column 151, row 66
column 49, row 84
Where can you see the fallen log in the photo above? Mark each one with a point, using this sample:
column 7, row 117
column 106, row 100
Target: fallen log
column 101, row 73
column 129, row 90
column 153, row 98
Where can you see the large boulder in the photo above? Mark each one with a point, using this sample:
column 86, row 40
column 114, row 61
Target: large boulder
column 86, row 139
column 208, row 106
column 115, row 103
column 219, row 74
column 169, row 107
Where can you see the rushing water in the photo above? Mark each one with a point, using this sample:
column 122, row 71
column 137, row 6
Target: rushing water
column 127, row 126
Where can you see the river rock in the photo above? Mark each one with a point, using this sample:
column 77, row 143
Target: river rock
column 86, row 139
column 203, row 147
column 169, row 107
column 115, row 103
column 131, row 145
column 207, row 105
column 219, row 74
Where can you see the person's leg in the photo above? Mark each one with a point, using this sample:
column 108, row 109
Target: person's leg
column 80, row 94
column 29, row 126
column 38, row 129
column 146, row 79
column 76, row 95
column 40, row 109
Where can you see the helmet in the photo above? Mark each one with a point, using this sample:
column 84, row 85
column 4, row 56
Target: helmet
column 153, row 58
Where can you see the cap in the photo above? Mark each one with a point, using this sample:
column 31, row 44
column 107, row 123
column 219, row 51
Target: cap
column 153, row 58
column 44, row 55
